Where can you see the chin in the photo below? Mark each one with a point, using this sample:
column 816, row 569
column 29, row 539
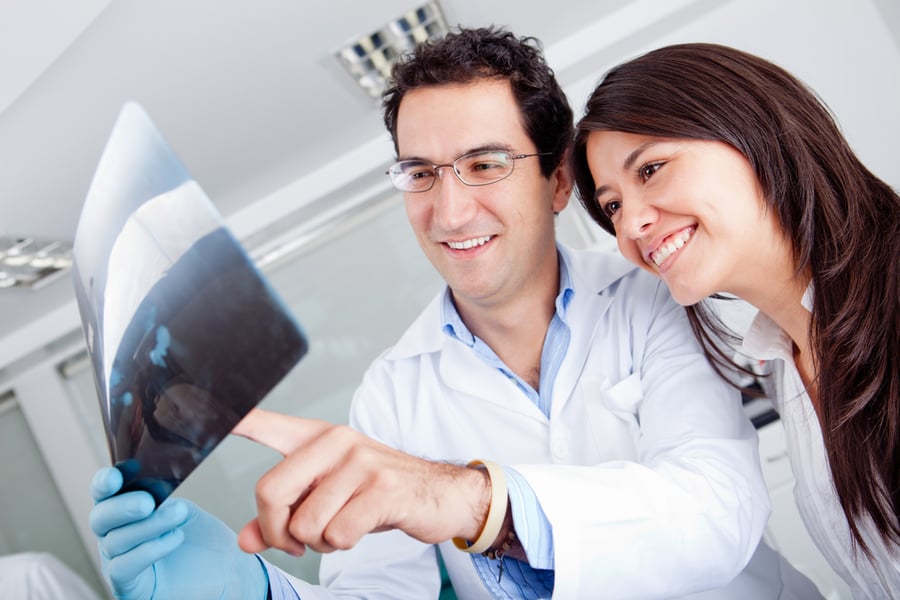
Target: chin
column 685, row 296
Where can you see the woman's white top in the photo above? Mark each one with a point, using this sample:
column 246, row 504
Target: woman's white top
column 814, row 492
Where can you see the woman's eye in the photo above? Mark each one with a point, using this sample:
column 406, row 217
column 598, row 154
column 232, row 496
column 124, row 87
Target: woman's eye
column 646, row 171
column 611, row 207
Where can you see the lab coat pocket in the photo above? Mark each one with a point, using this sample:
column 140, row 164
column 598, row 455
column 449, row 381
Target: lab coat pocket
column 624, row 399
column 613, row 412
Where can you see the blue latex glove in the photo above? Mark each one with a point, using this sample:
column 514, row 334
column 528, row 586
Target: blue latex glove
column 177, row 551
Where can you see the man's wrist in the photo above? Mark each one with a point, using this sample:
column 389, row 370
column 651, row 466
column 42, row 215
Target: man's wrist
column 507, row 543
column 494, row 514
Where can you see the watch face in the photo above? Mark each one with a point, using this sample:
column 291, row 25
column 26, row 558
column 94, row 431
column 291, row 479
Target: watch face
column 185, row 334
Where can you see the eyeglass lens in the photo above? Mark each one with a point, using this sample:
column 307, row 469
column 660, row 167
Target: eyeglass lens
column 478, row 168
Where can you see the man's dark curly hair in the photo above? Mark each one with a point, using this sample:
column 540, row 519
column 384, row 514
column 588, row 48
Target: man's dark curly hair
column 467, row 55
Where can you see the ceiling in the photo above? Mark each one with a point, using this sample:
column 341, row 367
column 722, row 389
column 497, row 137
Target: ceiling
column 252, row 100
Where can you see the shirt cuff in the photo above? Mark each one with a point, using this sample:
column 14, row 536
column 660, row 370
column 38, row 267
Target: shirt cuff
column 532, row 526
column 280, row 587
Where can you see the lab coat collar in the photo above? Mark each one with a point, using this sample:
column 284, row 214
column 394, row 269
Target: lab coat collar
column 454, row 326
column 426, row 334
column 594, row 274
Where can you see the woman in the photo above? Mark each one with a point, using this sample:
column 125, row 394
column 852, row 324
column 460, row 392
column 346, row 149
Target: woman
column 721, row 172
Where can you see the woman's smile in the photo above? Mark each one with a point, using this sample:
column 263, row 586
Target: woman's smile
column 670, row 245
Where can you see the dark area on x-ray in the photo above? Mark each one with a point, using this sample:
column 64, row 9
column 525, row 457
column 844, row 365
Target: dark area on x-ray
column 206, row 344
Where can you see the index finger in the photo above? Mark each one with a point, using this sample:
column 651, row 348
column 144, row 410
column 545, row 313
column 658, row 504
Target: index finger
column 280, row 432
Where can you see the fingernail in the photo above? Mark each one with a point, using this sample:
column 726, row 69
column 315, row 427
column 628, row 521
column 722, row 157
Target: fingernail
column 176, row 511
column 140, row 504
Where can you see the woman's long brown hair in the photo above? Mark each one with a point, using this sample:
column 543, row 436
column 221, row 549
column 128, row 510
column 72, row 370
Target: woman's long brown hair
column 844, row 223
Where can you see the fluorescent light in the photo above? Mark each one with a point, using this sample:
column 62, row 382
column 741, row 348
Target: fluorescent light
column 27, row 262
column 369, row 58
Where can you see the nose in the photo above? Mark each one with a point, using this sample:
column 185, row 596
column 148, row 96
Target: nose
column 636, row 217
column 454, row 204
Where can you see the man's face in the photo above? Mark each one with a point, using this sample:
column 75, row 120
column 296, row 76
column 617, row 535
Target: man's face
column 490, row 243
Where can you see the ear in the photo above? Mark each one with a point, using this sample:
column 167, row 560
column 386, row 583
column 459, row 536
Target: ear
column 561, row 182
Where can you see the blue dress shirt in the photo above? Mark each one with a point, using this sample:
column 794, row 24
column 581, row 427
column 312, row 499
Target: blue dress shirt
column 535, row 578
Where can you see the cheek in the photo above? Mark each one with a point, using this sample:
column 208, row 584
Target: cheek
column 629, row 250
column 416, row 214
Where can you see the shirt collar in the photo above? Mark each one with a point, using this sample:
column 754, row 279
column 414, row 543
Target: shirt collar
column 765, row 340
column 454, row 327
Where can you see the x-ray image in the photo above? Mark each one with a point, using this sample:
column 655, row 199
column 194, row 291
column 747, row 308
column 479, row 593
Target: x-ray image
column 185, row 335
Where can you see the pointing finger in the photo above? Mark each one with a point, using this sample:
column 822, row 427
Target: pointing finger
column 282, row 433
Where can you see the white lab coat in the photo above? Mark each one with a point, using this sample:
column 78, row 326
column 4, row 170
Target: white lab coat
column 40, row 576
column 647, row 469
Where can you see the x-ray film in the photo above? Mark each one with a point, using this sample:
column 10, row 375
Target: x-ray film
column 184, row 333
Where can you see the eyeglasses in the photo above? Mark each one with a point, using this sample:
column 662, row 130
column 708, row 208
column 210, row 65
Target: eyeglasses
column 475, row 168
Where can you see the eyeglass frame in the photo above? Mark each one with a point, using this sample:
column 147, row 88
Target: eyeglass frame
column 437, row 174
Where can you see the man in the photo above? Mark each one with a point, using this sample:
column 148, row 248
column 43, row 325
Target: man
column 629, row 467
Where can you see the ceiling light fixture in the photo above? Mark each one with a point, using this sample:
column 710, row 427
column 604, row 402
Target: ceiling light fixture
column 370, row 58
column 27, row 262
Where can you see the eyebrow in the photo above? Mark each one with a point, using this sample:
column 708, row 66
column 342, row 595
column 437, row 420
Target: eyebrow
column 482, row 148
column 628, row 164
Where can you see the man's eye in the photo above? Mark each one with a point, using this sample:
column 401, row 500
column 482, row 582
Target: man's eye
column 485, row 165
column 419, row 173
column 646, row 171
column 611, row 207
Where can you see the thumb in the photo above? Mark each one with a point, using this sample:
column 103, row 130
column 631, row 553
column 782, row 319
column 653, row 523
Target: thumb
column 250, row 540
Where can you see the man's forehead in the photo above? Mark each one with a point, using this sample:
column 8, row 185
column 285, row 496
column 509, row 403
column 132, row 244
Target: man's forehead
column 443, row 122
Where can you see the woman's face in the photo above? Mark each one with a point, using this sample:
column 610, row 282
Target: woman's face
column 689, row 211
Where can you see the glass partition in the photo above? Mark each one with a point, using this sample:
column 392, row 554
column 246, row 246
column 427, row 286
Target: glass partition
column 34, row 516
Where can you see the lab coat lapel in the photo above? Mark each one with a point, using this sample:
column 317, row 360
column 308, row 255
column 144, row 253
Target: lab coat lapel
column 586, row 318
column 594, row 293
column 465, row 373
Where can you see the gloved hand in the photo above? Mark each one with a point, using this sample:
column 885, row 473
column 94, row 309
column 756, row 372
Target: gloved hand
column 174, row 552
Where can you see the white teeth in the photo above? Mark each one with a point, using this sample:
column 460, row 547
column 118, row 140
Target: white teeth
column 678, row 241
column 465, row 245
